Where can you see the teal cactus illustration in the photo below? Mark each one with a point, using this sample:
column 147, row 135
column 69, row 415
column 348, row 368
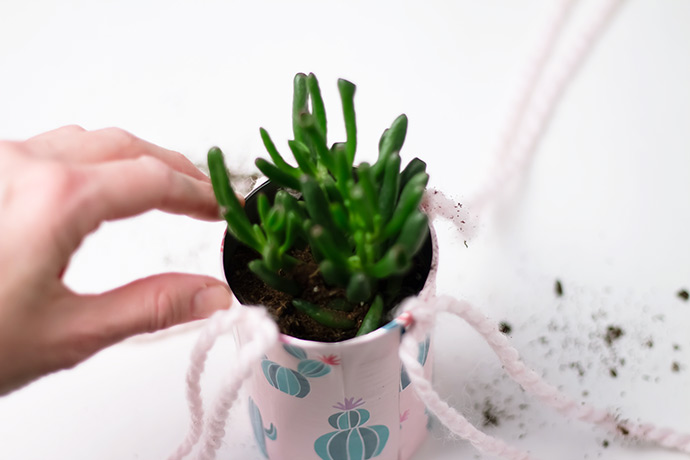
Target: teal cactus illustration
column 351, row 440
column 294, row 382
column 422, row 356
column 261, row 433
column 286, row 380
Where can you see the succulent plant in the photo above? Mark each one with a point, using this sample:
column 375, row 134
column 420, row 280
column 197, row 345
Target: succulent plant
column 362, row 223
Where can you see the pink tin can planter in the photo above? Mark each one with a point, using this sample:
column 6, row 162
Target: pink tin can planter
column 348, row 400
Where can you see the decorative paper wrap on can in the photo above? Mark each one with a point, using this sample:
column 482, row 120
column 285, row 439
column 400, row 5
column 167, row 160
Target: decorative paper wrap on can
column 349, row 400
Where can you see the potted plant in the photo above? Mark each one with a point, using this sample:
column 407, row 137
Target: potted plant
column 330, row 249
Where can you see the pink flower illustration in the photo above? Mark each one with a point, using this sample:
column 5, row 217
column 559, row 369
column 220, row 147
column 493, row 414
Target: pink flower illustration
column 349, row 404
column 332, row 360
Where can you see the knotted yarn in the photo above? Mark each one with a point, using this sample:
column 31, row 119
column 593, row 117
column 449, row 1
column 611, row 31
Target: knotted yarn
column 262, row 335
column 421, row 313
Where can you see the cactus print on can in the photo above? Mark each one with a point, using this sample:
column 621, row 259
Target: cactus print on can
column 260, row 433
column 294, row 382
column 352, row 440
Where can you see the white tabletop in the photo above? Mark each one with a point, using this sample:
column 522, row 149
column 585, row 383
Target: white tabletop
column 604, row 207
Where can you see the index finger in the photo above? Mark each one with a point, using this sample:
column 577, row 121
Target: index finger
column 127, row 188
column 75, row 145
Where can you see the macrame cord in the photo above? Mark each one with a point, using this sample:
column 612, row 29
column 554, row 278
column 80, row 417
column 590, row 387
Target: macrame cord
column 526, row 123
column 262, row 335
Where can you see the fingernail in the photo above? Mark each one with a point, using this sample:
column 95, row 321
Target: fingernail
column 208, row 300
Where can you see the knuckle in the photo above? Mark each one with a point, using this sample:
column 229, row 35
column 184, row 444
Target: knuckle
column 119, row 137
column 156, row 169
column 164, row 311
column 71, row 129
column 62, row 183
column 57, row 183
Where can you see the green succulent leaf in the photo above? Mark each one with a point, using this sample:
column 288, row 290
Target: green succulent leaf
column 317, row 140
column 343, row 169
column 292, row 231
column 413, row 168
column 410, row 198
column 347, row 96
column 362, row 207
column 275, row 156
column 359, row 288
column 263, row 207
column 394, row 262
column 372, row 320
column 276, row 174
column 302, row 155
column 340, row 217
column 414, row 232
column 233, row 212
column 366, row 180
column 390, row 187
column 275, row 222
column 317, row 103
column 319, row 211
column 391, row 141
column 334, row 274
column 271, row 257
column 329, row 318
column 300, row 100
column 326, row 245
column 272, row 278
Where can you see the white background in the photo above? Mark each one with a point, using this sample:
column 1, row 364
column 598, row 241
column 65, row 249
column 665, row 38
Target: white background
column 604, row 207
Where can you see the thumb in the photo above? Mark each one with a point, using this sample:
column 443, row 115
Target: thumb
column 154, row 303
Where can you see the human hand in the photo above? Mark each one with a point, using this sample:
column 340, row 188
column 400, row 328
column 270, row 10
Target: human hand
column 55, row 189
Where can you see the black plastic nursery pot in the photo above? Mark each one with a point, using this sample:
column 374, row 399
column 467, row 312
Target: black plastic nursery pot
column 349, row 400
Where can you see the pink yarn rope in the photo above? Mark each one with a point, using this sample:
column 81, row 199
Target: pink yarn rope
column 525, row 90
column 423, row 314
column 527, row 123
column 263, row 334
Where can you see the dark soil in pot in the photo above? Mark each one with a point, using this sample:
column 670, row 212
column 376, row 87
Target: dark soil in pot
column 251, row 290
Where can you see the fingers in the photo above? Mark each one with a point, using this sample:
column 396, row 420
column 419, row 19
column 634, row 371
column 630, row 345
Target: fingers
column 146, row 305
column 73, row 144
column 126, row 188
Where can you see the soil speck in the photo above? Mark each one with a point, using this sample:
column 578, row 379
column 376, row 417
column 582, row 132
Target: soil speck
column 489, row 414
column 675, row 367
column 559, row 288
column 613, row 333
column 579, row 367
column 505, row 328
column 605, row 443
column 683, row 294
column 613, row 372
column 623, row 430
